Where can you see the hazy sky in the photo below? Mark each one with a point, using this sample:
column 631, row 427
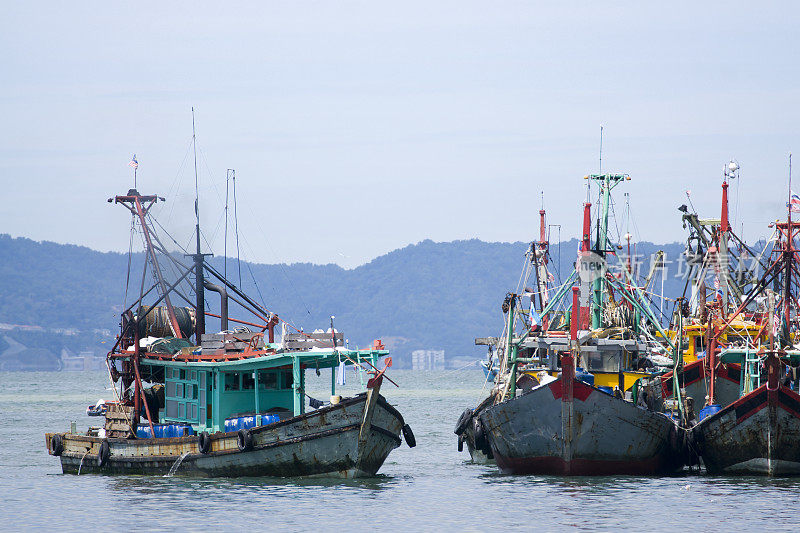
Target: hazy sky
column 358, row 128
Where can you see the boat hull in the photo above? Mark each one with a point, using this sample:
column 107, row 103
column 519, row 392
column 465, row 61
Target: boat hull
column 756, row 435
column 691, row 378
column 544, row 432
column 332, row 441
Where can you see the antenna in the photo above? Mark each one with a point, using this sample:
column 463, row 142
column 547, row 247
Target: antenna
column 199, row 290
column 196, row 190
column 600, row 170
column 789, row 203
column 236, row 225
column 225, row 248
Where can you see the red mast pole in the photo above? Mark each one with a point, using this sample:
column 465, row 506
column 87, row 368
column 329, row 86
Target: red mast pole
column 712, row 361
column 724, row 225
column 568, row 360
column 542, row 229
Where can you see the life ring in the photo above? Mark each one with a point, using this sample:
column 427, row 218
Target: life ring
column 409, row 436
column 57, row 444
column 204, row 443
column 463, row 421
column 245, row 440
column 103, row 454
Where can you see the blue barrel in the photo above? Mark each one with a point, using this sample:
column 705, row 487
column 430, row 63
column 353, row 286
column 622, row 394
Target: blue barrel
column 607, row 390
column 709, row 410
column 164, row 431
column 182, row 430
column 586, row 377
column 269, row 419
column 240, row 422
column 247, row 422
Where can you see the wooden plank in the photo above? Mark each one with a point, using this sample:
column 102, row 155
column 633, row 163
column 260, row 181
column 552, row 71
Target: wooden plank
column 313, row 336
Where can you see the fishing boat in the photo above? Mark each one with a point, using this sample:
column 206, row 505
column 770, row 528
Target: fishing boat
column 758, row 434
column 715, row 251
column 229, row 403
column 547, row 414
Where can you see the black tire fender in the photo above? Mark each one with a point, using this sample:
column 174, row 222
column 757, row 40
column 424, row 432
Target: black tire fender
column 103, row 454
column 478, row 434
column 460, row 443
column 245, row 440
column 204, row 443
column 480, row 439
column 408, row 435
column 57, row 445
column 463, row 421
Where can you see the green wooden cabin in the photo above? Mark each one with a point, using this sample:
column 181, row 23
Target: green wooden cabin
column 204, row 394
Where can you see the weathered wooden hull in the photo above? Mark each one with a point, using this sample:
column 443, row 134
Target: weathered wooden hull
column 465, row 429
column 332, row 441
column 759, row 434
column 542, row 432
column 691, row 378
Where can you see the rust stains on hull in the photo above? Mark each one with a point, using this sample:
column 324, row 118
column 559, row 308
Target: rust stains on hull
column 320, row 443
column 756, row 435
column 603, row 435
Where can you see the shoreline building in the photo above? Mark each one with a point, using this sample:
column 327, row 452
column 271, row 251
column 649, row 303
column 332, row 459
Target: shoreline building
column 427, row 360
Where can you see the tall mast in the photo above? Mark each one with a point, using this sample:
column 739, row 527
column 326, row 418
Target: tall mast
column 606, row 183
column 200, row 308
column 788, row 253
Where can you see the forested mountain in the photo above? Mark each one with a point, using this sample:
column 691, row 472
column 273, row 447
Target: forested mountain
column 424, row 296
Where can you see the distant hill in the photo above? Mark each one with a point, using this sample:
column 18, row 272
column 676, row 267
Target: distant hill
column 425, row 296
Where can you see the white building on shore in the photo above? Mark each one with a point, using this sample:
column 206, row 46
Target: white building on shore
column 427, row 359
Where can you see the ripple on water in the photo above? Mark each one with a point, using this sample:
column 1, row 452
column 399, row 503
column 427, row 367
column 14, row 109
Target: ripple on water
column 429, row 487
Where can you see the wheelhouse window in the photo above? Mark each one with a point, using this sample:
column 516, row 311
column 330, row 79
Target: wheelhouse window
column 231, row 381
column 248, row 381
column 286, row 379
column 268, row 380
column 699, row 344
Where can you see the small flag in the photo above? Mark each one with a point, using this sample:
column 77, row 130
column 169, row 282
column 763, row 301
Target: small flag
column 134, row 163
column 536, row 320
column 550, row 277
column 794, row 203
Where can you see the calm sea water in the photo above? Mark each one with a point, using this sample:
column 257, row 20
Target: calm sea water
column 429, row 487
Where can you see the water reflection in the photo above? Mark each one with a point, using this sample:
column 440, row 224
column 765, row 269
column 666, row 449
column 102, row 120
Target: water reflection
column 158, row 484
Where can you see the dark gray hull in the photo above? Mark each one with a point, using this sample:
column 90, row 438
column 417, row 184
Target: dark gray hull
column 333, row 441
column 759, row 434
column 543, row 432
